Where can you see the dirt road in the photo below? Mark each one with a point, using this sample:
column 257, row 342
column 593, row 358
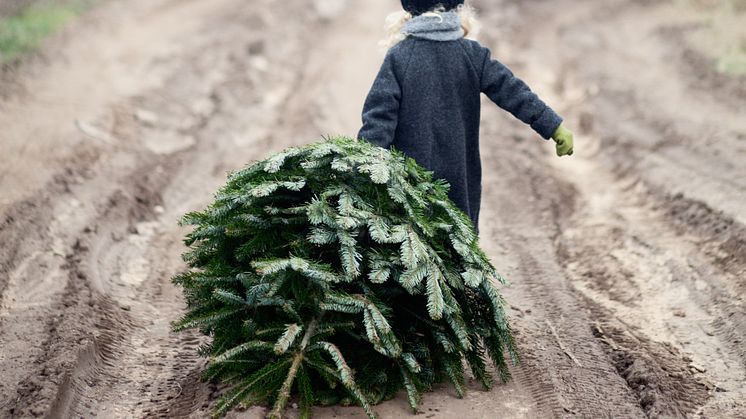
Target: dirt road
column 627, row 261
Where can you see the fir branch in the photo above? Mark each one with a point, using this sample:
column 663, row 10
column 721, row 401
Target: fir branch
column 473, row 277
column 228, row 297
column 192, row 320
column 477, row 362
column 411, row 279
column 435, row 303
column 284, row 394
column 242, row 348
column 411, row 362
column 307, row 397
column 346, row 375
column 267, row 188
column 413, row 395
column 287, row 338
column 247, row 387
column 454, row 369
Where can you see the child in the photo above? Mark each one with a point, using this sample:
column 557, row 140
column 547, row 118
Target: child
column 426, row 98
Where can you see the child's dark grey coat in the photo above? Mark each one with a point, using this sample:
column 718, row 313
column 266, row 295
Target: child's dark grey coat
column 426, row 102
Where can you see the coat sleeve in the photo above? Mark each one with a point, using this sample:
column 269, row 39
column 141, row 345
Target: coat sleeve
column 381, row 109
column 512, row 94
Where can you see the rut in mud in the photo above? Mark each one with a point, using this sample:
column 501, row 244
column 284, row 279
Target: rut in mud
column 627, row 262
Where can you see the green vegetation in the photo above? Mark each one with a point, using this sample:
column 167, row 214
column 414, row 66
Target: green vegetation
column 723, row 35
column 729, row 36
column 733, row 60
column 340, row 273
column 26, row 30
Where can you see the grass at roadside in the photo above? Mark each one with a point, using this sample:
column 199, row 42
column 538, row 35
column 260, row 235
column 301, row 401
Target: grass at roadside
column 733, row 61
column 729, row 32
column 723, row 36
column 26, row 30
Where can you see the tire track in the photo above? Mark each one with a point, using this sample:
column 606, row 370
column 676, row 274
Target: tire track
column 657, row 270
column 694, row 304
column 87, row 300
column 567, row 366
column 156, row 372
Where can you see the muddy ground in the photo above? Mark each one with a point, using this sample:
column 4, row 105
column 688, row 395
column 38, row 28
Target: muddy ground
column 627, row 261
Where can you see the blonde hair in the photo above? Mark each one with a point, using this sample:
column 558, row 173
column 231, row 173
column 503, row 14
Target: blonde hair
column 396, row 21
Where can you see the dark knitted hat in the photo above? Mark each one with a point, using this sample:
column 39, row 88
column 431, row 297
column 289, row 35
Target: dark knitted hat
column 418, row 7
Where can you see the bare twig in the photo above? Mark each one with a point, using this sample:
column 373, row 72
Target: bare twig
column 602, row 335
column 562, row 346
column 94, row 132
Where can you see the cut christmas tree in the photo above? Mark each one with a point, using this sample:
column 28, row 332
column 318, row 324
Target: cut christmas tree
column 339, row 272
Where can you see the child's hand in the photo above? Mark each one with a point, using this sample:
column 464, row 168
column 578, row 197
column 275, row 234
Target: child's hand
column 563, row 137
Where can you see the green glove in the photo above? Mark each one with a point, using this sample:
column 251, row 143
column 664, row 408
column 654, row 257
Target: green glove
column 563, row 137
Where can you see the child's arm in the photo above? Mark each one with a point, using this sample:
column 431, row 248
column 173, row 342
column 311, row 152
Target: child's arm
column 381, row 109
column 512, row 94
